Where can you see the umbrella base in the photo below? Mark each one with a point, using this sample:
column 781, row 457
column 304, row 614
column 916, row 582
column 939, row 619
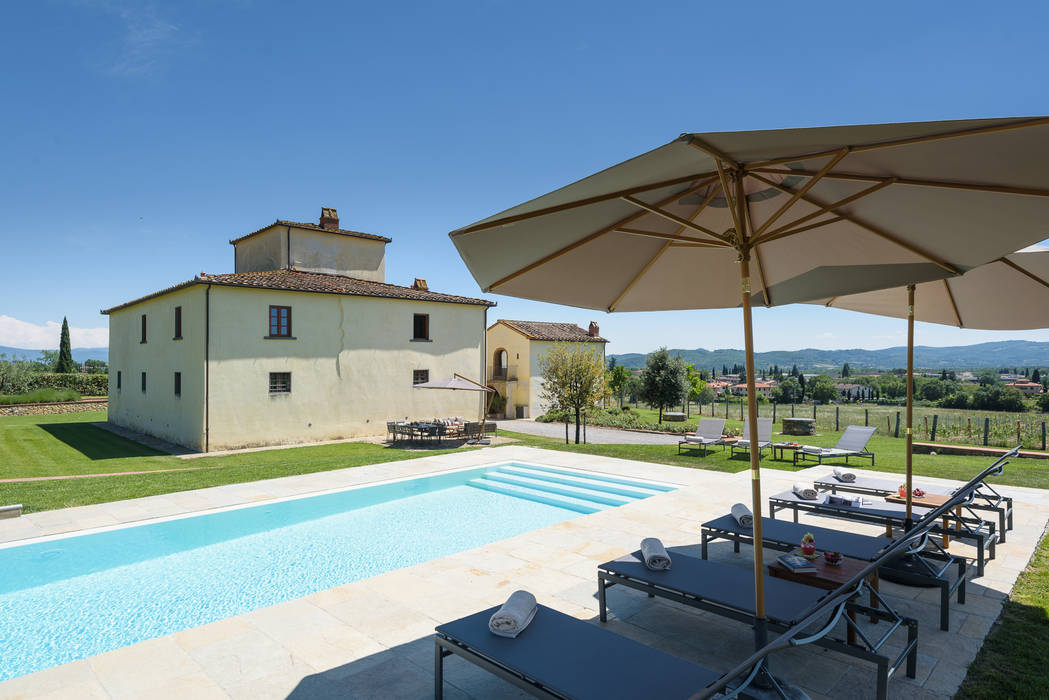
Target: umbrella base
column 479, row 442
column 904, row 572
column 767, row 687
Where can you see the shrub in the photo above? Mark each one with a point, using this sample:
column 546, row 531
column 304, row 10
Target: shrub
column 14, row 376
column 498, row 404
column 85, row 384
column 1043, row 402
column 40, row 396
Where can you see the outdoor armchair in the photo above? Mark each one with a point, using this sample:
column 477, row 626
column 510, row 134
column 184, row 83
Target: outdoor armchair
column 708, row 432
column 853, row 443
column 764, row 436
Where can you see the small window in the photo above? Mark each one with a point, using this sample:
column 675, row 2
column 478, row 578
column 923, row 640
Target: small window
column 178, row 383
column 118, row 380
column 420, row 376
column 421, row 327
column 178, row 323
column 280, row 382
column 143, row 329
column 143, row 382
column 280, row 322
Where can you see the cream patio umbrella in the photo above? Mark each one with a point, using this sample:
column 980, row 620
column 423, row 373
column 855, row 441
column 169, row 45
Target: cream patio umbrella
column 814, row 212
column 458, row 382
column 1010, row 293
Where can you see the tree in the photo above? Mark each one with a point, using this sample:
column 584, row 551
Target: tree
column 611, row 363
column 794, row 371
column 696, row 385
column 933, row 390
column 989, row 377
column 665, row 382
column 801, row 386
column 822, row 389
column 65, row 364
column 845, row 371
column 1036, row 376
column 573, row 380
column 1043, row 402
column 788, row 391
column 618, row 378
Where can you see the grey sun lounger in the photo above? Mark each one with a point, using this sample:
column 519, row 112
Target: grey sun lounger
column 785, row 536
column 708, row 432
column 728, row 591
column 558, row 656
column 985, row 496
column 853, row 443
column 764, row 437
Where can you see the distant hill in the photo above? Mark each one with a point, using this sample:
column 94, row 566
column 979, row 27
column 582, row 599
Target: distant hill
column 1009, row 353
column 79, row 354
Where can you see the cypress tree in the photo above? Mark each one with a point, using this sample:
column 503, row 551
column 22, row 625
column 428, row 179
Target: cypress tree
column 65, row 364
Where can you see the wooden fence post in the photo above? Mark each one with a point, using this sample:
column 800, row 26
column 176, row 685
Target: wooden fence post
column 866, row 417
column 926, row 426
column 935, row 420
column 837, row 418
column 773, row 412
column 1043, row 436
column 888, row 425
column 896, row 433
column 791, row 409
column 813, row 410
column 986, row 430
column 1019, row 440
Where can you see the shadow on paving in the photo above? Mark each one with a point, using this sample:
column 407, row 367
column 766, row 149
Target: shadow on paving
column 95, row 443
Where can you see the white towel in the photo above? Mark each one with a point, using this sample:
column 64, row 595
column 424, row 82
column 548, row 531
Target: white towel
column 743, row 515
column 805, row 493
column 515, row 614
column 845, row 474
column 654, row 554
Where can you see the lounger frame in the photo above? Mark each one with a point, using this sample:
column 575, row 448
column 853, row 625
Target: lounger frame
column 801, row 456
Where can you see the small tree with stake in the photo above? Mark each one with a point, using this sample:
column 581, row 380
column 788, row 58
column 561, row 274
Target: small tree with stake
column 65, row 364
column 665, row 382
column 573, row 380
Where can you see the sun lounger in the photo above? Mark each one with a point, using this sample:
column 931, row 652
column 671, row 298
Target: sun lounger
column 853, row 443
column 764, row 436
column 985, row 497
column 558, row 656
column 708, row 432
column 934, row 569
column 728, row 591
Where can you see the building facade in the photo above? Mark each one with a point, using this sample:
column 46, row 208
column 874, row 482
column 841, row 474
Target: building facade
column 304, row 342
column 514, row 351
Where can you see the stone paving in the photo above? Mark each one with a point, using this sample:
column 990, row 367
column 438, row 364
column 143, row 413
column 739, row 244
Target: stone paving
column 372, row 638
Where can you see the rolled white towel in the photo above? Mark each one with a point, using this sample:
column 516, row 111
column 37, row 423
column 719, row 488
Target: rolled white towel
column 805, row 493
column 515, row 614
column 844, row 474
column 654, row 554
column 743, row 515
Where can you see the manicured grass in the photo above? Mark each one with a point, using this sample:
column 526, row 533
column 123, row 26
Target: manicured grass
column 40, row 396
column 1011, row 663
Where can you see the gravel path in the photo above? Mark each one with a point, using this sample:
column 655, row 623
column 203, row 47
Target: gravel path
column 602, row 436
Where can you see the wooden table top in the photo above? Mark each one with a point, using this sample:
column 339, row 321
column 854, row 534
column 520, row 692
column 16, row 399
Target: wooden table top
column 929, row 500
column 825, row 575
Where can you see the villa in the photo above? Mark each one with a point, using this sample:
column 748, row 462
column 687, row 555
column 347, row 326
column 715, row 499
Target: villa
column 305, row 341
column 516, row 348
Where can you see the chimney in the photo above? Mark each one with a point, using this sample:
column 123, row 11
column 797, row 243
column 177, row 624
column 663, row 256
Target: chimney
column 594, row 331
column 329, row 219
column 420, row 284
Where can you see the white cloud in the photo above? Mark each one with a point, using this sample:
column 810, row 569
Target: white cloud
column 147, row 38
column 30, row 336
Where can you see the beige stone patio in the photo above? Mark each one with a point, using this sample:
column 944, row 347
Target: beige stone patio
column 372, row 638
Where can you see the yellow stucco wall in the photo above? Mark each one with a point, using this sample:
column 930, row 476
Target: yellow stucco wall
column 157, row 411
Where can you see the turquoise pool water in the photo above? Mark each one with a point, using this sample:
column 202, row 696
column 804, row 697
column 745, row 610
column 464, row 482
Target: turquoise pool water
column 70, row 598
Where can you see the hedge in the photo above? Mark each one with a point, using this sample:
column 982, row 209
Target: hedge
column 85, row 384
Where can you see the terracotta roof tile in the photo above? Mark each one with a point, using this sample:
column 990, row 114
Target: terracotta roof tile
column 545, row 330
column 314, row 227
column 316, row 282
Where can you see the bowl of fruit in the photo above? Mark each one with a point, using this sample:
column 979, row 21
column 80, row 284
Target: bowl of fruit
column 808, row 546
column 832, row 558
column 918, row 493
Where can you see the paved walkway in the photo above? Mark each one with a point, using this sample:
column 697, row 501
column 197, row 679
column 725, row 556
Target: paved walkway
column 373, row 638
column 598, row 436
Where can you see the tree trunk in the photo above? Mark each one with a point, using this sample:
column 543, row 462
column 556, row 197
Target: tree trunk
column 577, row 421
column 661, row 414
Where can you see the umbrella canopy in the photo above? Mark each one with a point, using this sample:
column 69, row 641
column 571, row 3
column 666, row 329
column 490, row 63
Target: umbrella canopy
column 454, row 383
column 1010, row 293
column 816, row 213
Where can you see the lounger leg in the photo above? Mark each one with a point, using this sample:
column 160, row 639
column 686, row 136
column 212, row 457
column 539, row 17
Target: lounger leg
column 883, row 678
column 1009, row 505
column 961, row 585
column 703, row 545
column 601, row 598
column 945, row 606
column 1001, row 525
column 438, row 671
column 912, row 657
column 795, row 515
column 735, row 546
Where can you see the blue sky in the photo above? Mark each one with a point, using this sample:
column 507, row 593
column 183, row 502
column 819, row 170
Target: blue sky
column 140, row 137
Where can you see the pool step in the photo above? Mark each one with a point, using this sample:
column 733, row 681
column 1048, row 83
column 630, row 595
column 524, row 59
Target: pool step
column 577, row 504
column 591, row 484
column 563, row 489
column 603, row 478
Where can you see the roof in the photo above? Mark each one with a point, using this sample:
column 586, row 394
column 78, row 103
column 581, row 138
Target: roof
column 316, row 282
column 546, row 330
column 314, row 227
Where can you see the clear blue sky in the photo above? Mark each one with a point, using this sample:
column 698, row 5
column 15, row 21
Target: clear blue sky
column 139, row 137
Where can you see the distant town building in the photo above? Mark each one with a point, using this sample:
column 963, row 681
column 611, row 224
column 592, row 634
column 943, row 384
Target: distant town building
column 762, row 388
column 1028, row 387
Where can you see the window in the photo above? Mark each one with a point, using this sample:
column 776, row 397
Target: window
column 420, row 376
column 143, row 329
column 178, row 383
column 421, row 327
column 178, row 323
column 118, row 380
column 280, row 382
column 280, row 322
column 143, row 382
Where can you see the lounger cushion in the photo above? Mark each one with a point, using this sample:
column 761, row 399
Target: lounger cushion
column 582, row 660
column 724, row 584
column 882, row 509
column 883, row 486
column 851, row 544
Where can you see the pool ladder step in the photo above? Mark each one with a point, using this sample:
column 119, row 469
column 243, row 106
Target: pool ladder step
column 592, row 484
column 587, row 494
column 554, row 499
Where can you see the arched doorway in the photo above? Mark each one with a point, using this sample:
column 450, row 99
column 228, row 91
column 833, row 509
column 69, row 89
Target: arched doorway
column 499, row 364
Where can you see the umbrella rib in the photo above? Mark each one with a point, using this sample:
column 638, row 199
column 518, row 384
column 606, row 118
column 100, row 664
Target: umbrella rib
column 593, row 236
column 658, row 211
column 973, row 186
column 950, row 296
column 581, row 203
column 826, row 208
column 869, row 227
column 757, row 255
column 673, row 237
column 790, row 232
column 1040, row 121
column 1025, row 272
column 638, row 276
column 801, row 192
column 729, row 199
column 714, row 153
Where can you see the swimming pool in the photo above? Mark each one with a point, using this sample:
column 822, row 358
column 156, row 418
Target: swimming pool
column 64, row 599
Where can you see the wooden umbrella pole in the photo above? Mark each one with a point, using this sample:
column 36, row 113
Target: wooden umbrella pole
column 910, row 398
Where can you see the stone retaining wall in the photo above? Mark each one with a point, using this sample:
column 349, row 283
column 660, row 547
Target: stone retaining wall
column 41, row 409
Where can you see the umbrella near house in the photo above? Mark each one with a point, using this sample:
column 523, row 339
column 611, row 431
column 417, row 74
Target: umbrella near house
column 458, row 382
column 1010, row 293
column 814, row 213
